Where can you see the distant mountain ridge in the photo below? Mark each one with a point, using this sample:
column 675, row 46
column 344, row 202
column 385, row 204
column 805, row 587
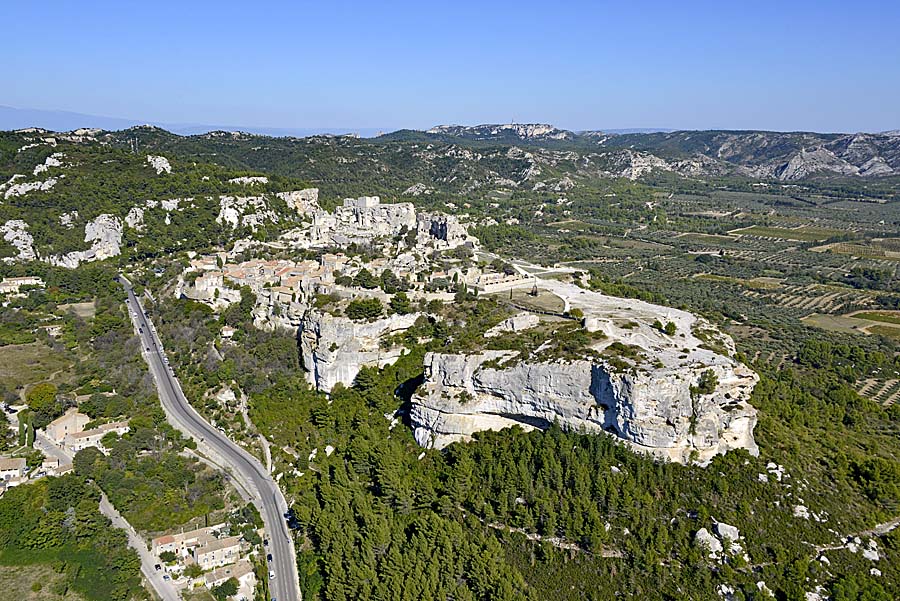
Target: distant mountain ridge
column 760, row 155
column 784, row 156
column 63, row 121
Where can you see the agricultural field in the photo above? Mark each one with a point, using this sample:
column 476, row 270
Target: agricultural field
column 892, row 317
column 886, row 331
column 802, row 234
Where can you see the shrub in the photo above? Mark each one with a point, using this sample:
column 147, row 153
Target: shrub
column 364, row 308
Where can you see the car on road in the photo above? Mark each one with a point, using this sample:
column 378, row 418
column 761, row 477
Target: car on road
column 271, row 574
column 265, row 540
column 166, row 577
column 157, row 567
column 269, row 557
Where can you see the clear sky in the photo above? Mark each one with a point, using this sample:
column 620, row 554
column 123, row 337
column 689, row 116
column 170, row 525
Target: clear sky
column 785, row 65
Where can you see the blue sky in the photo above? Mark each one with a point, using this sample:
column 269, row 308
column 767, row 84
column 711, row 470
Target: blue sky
column 823, row 66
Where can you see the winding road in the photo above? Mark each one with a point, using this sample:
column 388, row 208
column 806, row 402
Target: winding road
column 242, row 466
column 164, row 588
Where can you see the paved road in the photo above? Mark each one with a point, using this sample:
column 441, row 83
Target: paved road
column 46, row 446
column 245, row 468
column 164, row 588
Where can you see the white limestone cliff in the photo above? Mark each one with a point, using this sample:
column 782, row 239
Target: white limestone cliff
column 247, row 211
column 652, row 405
column 334, row 349
column 15, row 232
column 104, row 233
column 304, row 202
column 653, row 412
column 160, row 164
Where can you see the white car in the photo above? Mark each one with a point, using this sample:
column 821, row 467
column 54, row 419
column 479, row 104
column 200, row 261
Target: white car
column 272, row 574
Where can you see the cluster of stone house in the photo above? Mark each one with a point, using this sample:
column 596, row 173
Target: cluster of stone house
column 242, row 571
column 203, row 546
column 220, row 556
column 286, row 281
column 67, row 431
column 14, row 285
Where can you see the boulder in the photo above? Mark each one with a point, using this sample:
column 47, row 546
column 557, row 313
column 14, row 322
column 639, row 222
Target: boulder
column 516, row 323
column 727, row 532
column 708, row 542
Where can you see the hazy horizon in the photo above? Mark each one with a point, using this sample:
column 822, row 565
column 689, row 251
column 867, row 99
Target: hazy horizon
column 802, row 66
column 13, row 118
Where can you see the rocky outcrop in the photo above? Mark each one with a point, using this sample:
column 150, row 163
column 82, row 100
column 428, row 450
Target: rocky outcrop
column 507, row 131
column 334, row 349
column 67, row 220
column 161, row 164
column 247, row 211
column 810, row 162
column 304, row 202
column 104, row 233
column 51, row 161
column 361, row 220
column 517, row 323
column 651, row 397
column 417, row 190
column 135, row 218
column 440, row 230
column 26, row 187
column 249, row 181
column 15, row 232
column 652, row 411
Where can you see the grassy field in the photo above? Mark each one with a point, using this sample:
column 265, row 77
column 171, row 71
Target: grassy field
column 704, row 238
column 862, row 322
column 886, row 331
column 82, row 310
column 863, row 251
column 882, row 316
column 802, row 234
column 837, row 323
column 16, row 583
column 23, row 364
column 544, row 301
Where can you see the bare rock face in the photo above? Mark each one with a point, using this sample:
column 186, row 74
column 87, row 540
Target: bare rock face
column 246, row 211
column 249, row 181
column 361, row 220
column 15, row 232
column 677, row 393
column 25, row 188
column 517, row 323
column 160, row 164
column 440, row 230
column 104, row 233
column 304, row 202
column 809, row 162
column 334, row 349
column 653, row 412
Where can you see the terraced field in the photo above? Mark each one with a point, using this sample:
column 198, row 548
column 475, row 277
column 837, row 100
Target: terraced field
column 802, row 234
column 885, row 392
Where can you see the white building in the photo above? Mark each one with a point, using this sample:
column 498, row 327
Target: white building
column 12, row 285
column 71, row 422
column 12, row 468
column 91, row 438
